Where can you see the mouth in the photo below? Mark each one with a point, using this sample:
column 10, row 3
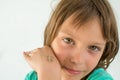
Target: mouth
column 72, row 71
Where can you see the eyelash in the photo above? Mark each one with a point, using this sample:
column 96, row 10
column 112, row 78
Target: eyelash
column 69, row 41
column 94, row 48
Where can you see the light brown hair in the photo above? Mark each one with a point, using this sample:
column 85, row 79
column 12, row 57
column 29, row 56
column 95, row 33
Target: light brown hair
column 85, row 10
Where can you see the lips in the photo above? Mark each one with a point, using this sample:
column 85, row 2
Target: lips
column 72, row 71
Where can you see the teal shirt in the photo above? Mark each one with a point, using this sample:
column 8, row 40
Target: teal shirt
column 31, row 76
column 98, row 74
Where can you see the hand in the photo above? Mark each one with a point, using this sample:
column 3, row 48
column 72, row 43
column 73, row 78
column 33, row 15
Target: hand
column 44, row 62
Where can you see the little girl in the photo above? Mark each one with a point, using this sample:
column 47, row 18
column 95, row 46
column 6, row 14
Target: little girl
column 80, row 42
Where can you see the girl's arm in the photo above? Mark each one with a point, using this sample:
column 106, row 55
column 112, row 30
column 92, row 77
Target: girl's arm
column 45, row 63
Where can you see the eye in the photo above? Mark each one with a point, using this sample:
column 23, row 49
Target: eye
column 94, row 48
column 68, row 41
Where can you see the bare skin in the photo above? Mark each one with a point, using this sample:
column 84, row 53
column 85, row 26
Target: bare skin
column 44, row 62
column 78, row 51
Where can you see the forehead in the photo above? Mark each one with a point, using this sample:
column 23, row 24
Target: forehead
column 71, row 22
column 89, row 30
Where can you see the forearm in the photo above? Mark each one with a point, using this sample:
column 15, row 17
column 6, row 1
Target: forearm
column 48, row 76
column 44, row 63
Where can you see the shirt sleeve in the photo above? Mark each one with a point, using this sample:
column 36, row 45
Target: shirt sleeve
column 100, row 74
column 31, row 76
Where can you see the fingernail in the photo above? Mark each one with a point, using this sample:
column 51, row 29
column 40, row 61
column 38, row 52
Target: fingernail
column 25, row 52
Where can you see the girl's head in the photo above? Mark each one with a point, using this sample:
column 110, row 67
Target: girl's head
column 82, row 12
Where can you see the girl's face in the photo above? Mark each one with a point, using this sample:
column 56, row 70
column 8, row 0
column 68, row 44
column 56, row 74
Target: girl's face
column 78, row 50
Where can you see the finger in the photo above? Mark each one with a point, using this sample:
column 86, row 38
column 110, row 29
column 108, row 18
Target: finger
column 55, row 55
column 54, row 52
column 48, row 50
column 26, row 55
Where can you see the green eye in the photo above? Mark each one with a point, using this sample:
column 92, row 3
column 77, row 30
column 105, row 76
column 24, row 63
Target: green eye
column 68, row 41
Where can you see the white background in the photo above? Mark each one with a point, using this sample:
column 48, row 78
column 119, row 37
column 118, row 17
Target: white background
column 22, row 24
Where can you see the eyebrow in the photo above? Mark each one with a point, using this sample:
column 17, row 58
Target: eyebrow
column 100, row 44
column 92, row 42
column 67, row 33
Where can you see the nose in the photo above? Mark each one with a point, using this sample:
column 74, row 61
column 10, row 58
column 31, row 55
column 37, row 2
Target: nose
column 78, row 56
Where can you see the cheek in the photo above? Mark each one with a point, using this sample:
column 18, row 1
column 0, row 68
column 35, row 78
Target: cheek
column 60, row 51
column 92, row 62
